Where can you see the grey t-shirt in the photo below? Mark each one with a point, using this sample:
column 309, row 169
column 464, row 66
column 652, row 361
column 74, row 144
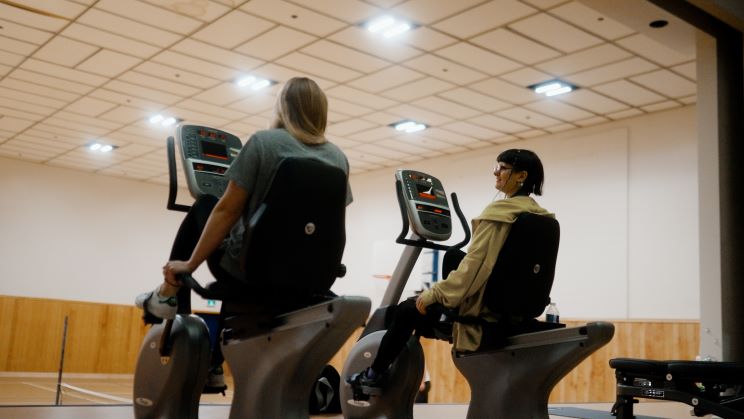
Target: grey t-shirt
column 253, row 170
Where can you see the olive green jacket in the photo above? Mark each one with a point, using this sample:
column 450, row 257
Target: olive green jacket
column 464, row 287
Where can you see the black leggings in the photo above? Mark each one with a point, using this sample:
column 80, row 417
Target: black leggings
column 407, row 319
column 183, row 245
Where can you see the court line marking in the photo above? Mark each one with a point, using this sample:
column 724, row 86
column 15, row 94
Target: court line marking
column 83, row 391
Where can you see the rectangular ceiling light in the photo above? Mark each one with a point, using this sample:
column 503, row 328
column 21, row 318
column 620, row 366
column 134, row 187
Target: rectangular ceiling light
column 552, row 87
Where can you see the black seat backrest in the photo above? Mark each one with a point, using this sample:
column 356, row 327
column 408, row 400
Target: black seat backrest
column 295, row 240
column 522, row 277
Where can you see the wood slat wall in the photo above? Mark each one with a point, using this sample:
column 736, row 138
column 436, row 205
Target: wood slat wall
column 105, row 338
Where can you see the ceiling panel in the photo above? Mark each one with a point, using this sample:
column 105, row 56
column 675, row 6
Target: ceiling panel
column 559, row 110
column 24, row 33
column 654, row 51
column 275, row 43
column 16, row 46
column 688, row 70
column 108, row 63
column 474, row 99
column 428, row 11
column 555, row 33
column 582, row 60
column 505, row 91
column 90, row 106
column 109, row 40
column 351, row 11
column 315, row 66
column 294, row 16
column 444, row 69
column 661, row 106
column 65, row 73
column 353, row 95
column 514, row 46
column 128, row 28
column 427, row 39
column 233, row 29
column 29, row 18
column 478, row 58
column 587, row 99
column 421, row 115
column 386, row 79
column 52, row 86
column 625, row 68
column 591, row 20
column 450, row 137
column 526, row 76
column 176, row 75
column 417, row 89
column 446, row 107
column 472, row 130
column 345, row 56
column 628, row 92
column 34, row 88
column 483, row 18
column 498, row 124
column 124, row 114
column 19, row 95
column 211, row 53
column 362, row 40
column 528, row 117
column 151, row 15
column 666, row 83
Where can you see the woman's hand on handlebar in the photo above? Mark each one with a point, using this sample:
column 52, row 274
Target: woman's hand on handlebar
column 420, row 305
column 175, row 267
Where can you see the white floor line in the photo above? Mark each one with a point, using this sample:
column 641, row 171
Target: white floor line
column 97, row 394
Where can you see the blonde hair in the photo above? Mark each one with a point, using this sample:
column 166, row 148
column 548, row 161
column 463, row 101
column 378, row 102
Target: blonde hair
column 302, row 109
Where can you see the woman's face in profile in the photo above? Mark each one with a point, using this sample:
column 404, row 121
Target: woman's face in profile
column 502, row 171
column 507, row 180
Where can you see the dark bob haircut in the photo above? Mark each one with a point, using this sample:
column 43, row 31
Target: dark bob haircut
column 525, row 160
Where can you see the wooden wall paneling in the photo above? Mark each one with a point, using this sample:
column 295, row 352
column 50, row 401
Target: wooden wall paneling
column 101, row 338
column 7, row 326
column 105, row 338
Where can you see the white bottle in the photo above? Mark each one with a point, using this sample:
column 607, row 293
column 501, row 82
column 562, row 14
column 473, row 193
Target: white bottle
column 551, row 314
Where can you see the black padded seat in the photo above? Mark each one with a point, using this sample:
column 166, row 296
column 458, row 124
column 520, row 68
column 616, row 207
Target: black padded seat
column 645, row 367
column 721, row 372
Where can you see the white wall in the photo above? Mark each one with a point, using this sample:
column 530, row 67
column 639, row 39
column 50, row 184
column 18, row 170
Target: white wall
column 625, row 193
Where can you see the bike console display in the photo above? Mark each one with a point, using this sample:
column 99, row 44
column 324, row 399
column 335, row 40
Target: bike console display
column 206, row 155
column 426, row 204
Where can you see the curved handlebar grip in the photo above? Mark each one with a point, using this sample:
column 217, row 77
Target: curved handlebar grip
column 170, row 149
column 463, row 221
column 189, row 281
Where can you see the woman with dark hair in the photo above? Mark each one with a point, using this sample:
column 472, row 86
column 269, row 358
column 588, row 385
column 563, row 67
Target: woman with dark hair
column 519, row 173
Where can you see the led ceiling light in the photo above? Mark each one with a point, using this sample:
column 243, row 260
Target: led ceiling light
column 409, row 126
column 163, row 120
column 100, row 147
column 388, row 26
column 253, row 82
column 552, row 88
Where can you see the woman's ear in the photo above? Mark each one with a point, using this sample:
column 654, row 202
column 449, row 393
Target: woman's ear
column 522, row 176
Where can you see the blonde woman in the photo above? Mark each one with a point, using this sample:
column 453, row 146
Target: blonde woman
column 213, row 230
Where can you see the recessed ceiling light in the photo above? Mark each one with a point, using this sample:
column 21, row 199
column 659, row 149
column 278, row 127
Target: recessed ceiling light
column 253, row 82
column 409, row 126
column 164, row 120
column 552, row 87
column 101, row 147
column 388, row 26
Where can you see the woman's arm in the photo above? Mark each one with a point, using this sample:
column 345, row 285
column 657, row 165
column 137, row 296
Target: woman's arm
column 227, row 211
column 473, row 272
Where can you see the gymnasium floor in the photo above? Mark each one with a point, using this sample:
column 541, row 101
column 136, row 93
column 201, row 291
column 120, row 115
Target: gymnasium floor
column 32, row 396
